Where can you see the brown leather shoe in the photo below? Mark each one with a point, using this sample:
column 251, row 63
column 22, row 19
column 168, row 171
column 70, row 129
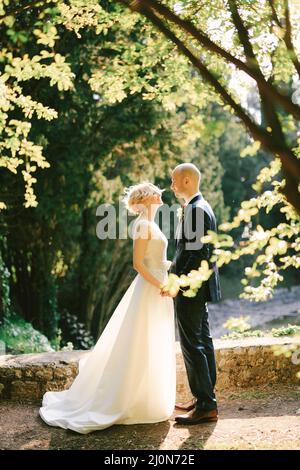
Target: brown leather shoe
column 188, row 406
column 197, row 417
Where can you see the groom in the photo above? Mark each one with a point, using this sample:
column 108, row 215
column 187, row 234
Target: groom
column 191, row 312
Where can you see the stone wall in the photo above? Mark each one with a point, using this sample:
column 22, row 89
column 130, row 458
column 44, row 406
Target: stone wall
column 245, row 363
column 240, row 363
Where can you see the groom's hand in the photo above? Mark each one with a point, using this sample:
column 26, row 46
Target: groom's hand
column 167, row 293
column 164, row 292
column 172, row 294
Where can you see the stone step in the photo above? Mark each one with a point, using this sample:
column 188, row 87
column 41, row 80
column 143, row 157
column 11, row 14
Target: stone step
column 241, row 363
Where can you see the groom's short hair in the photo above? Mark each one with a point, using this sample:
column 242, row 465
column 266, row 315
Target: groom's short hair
column 189, row 169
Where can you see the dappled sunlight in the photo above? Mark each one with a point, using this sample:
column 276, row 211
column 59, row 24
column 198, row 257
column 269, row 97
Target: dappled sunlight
column 248, row 420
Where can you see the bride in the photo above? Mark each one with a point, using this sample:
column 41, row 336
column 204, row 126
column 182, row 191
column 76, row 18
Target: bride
column 129, row 376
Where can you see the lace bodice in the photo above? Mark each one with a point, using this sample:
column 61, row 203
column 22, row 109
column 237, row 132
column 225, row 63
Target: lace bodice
column 156, row 252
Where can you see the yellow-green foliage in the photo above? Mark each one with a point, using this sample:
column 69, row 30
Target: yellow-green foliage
column 273, row 250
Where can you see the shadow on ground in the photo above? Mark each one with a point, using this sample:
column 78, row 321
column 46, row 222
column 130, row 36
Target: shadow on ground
column 263, row 418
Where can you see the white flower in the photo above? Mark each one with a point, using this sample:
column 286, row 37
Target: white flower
column 180, row 213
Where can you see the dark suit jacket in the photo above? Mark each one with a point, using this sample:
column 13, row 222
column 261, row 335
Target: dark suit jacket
column 198, row 218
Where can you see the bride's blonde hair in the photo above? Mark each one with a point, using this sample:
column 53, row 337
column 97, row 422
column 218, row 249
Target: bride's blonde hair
column 135, row 195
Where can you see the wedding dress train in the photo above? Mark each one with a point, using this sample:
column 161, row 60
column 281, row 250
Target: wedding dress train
column 129, row 376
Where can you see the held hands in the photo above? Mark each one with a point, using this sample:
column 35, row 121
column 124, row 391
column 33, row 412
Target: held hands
column 171, row 287
column 165, row 292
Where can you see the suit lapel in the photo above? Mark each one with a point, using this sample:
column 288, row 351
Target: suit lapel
column 178, row 233
column 196, row 198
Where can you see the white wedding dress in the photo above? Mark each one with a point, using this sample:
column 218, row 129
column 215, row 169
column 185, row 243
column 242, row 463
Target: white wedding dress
column 129, row 376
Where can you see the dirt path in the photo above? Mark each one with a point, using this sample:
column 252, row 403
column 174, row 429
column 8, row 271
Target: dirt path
column 253, row 419
column 282, row 309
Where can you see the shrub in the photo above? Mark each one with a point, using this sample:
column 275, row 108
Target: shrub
column 19, row 336
column 282, row 331
column 286, row 330
column 75, row 332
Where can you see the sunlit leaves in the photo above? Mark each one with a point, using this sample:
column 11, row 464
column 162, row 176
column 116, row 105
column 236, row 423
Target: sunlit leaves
column 273, row 250
column 17, row 150
column 80, row 14
column 111, row 86
column 288, row 350
column 267, row 246
column 238, row 324
column 193, row 280
column 251, row 149
column 46, row 36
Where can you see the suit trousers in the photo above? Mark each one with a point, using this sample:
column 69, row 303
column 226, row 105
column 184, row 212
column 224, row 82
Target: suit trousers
column 197, row 347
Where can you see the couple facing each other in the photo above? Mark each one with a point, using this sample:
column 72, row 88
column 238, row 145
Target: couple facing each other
column 129, row 376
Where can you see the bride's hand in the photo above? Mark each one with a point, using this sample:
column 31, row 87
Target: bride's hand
column 167, row 293
column 164, row 293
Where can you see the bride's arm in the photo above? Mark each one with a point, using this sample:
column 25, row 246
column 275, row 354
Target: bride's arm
column 139, row 250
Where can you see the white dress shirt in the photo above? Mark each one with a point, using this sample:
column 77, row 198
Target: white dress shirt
column 179, row 226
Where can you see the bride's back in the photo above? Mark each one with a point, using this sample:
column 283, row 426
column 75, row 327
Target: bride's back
column 156, row 251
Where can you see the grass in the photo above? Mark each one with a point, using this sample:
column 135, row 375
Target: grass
column 267, row 392
column 248, row 394
column 289, row 330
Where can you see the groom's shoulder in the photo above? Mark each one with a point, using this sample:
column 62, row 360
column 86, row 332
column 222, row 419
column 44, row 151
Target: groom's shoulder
column 198, row 214
column 203, row 206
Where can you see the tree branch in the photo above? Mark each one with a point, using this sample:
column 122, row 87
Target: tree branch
column 258, row 132
column 243, row 36
column 274, row 13
column 288, row 38
column 268, row 108
column 270, row 90
column 290, row 163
